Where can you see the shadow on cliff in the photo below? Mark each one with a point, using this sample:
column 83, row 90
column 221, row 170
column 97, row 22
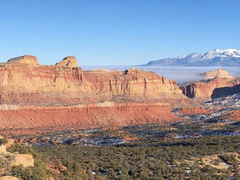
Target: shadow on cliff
column 225, row 91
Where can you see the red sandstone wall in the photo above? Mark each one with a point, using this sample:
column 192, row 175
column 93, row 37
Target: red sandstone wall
column 86, row 115
column 207, row 89
column 22, row 84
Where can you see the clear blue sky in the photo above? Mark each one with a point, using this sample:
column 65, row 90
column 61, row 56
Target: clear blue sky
column 116, row 32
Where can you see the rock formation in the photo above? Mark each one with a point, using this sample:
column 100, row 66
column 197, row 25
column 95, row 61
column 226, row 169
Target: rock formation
column 26, row 59
column 25, row 160
column 64, row 95
column 90, row 115
column 219, row 73
column 69, row 61
column 222, row 84
column 62, row 85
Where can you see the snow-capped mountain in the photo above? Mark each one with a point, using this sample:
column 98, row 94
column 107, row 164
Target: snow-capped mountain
column 228, row 57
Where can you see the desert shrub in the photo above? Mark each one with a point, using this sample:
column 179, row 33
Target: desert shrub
column 230, row 158
column 3, row 141
column 23, row 149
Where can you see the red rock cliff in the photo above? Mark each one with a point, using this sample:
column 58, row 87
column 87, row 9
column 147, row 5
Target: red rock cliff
column 91, row 115
column 211, row 88
column 36, row 96
column 218, row 82
column 22, row 84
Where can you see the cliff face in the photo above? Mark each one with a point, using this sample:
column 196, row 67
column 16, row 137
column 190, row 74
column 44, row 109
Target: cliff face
column 41, row 97
column 211, row 88
column 91, row 115
column 61, row 85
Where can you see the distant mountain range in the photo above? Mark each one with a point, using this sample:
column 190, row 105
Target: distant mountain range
column 228, row 57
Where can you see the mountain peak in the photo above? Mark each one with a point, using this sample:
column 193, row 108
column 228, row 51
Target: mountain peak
column 229, row 51
column 221, row 54
column 226, row 50
column 216, row 57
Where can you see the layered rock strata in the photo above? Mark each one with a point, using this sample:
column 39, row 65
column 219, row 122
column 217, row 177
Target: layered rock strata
column 91, row 115
column 22, row 84
column 36, row 96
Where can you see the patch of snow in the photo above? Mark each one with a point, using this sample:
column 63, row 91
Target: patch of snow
column 221, row 53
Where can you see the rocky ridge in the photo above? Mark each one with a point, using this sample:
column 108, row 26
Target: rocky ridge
column 63, row 85
column 65, row 96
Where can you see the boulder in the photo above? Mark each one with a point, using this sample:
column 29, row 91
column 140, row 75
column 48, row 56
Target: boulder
column 25, row 160
column 68, row 61
column 26, row 59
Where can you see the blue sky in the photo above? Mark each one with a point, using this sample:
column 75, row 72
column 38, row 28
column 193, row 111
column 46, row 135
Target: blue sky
column 116, row 32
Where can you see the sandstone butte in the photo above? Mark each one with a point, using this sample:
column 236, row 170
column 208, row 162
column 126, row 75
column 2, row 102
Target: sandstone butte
column 39, row 96
column 219, row 73
column 218, row 83
column 27, row 59
column 68, row 61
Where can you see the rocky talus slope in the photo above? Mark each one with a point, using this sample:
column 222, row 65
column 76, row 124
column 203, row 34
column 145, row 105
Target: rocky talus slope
column 34, row 95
